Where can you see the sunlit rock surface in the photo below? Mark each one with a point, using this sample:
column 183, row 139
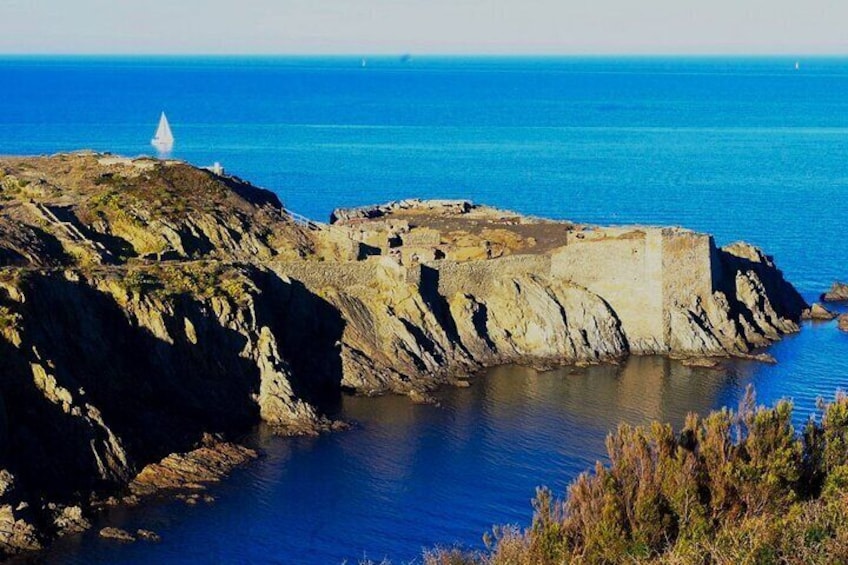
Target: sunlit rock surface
column 145, row 304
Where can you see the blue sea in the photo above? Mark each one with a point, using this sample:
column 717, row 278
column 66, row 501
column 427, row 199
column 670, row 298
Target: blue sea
column 742, row 148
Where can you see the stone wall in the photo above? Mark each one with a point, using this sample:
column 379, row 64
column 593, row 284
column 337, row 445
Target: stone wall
column 642, row 274
column 626, row 270
column 477, row 277
column 319, row 274
column 687, row 267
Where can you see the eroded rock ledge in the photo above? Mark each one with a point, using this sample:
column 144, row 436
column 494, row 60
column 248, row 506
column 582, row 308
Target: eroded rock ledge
column 838, row 293
column 145, row 304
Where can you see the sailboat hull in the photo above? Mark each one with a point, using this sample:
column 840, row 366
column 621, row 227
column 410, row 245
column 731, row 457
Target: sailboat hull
column 162, row 146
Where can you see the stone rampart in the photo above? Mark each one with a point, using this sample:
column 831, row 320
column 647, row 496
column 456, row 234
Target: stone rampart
column 477, row 277
column 626, row 271
column 641, row 273
column 340, row 275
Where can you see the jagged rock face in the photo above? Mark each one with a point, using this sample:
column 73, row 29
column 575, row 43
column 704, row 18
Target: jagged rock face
column 392, row 339
column 101, row 376
column 750, row 307
column 110, row 362
column 87, row 209
column 540, row 321
column 17, row 530
column 784, row 300
column 24, row 245
column 98, row 382
column 838, row 293
column 402, row 337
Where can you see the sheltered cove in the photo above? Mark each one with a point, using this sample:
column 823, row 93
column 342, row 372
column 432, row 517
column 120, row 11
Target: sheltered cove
column 146, row 304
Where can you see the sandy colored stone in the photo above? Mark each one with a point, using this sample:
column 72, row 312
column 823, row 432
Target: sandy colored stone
column 702, row 363
column 192, row 470
column 70, row 520
column 117, row 534
column 820, row 313
column 148, row 535
column 838, row 293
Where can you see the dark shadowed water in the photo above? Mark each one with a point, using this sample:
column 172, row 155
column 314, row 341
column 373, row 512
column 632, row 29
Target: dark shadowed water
column 742, row 148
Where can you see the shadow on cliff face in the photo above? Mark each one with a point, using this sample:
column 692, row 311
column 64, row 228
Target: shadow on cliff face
column 112, row 396
column 114, row 249
column 784, row 298
column 254, row 195
column 429, row 290
column 309, row 331
column 28, row 245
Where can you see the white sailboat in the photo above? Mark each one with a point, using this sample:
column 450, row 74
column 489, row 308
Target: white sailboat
column 163, row 141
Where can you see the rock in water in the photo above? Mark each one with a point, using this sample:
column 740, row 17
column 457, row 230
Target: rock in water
column 702, row 363
column 819, row 313
column 837, row 293
column 148, row 535
column 70, row 520
column 843, row 322
column 117, row 534
column 192, row 470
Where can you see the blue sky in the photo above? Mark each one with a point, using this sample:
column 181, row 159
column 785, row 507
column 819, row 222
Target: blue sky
column 424, row 26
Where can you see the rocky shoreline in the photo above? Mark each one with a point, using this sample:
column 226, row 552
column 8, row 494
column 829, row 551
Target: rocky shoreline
column 147, row 306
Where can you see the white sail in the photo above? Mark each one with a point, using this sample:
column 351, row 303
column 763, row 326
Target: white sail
column 164, row 139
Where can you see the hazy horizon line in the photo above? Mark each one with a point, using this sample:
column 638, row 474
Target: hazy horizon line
column 481, row 54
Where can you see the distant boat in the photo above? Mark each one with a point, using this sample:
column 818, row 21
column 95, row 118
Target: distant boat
column 364, row 63
column 797, row 65
column 163, row 141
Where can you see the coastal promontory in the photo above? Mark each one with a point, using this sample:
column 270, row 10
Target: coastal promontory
column 150, row 308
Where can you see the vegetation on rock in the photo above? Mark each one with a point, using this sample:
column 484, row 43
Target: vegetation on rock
column 741, row 487
column 97, row 209
column 145, row 303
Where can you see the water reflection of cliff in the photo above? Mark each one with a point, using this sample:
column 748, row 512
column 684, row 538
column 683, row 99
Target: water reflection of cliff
column 642, row 389
column 527, row 421
column 409, row 476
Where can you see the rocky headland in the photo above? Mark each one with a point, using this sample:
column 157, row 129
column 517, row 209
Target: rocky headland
column 148, row 306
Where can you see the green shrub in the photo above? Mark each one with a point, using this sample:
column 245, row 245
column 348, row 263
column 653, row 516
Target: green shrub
column 729, row 488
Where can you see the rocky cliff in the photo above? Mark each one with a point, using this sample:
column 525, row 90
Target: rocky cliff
column 145, row 305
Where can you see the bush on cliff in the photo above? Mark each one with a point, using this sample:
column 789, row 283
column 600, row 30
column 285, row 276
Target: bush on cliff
column 732, row 487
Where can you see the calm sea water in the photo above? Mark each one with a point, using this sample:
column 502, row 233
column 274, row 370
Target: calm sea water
column 742, row 148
